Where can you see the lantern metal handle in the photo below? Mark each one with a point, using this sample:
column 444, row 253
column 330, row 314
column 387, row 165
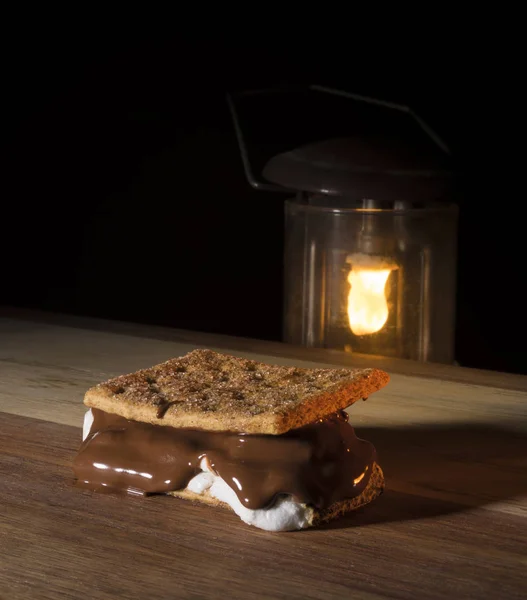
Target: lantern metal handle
column 253, row 181
column 269, row 187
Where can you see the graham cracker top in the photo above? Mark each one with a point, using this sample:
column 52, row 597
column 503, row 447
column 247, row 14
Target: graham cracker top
column 218, row 392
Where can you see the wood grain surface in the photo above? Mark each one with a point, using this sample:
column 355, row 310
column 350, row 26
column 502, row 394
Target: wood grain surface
column 58, row 541
column 451, row 524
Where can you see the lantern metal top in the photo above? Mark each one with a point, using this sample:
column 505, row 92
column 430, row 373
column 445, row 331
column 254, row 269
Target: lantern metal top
column 391, row 155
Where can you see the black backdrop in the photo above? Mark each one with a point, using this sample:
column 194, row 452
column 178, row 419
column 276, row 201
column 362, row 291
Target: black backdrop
column 124, row 195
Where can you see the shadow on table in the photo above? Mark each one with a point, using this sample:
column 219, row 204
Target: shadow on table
column 437, row 470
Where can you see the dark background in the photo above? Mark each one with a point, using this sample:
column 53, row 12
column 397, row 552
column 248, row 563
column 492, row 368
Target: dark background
column 124, row 195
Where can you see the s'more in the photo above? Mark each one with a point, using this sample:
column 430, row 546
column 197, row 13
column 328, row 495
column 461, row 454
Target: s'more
column 272, row 443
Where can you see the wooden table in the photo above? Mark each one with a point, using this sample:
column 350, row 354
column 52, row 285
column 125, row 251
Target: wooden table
column 452, row 523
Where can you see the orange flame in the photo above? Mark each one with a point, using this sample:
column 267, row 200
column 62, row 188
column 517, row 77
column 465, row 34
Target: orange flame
column 367, row 304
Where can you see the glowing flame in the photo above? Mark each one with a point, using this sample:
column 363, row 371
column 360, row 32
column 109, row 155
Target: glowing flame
column 367, row 305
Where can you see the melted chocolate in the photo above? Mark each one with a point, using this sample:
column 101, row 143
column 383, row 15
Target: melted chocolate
column 317, row 464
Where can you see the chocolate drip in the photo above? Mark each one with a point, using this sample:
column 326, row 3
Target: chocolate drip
column 164, row 407
column 317, row 464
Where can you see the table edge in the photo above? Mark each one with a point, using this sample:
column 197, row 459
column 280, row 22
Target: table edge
column 465, row 375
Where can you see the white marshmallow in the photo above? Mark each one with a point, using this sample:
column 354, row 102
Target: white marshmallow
column 88, row 422
column 284, row 515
